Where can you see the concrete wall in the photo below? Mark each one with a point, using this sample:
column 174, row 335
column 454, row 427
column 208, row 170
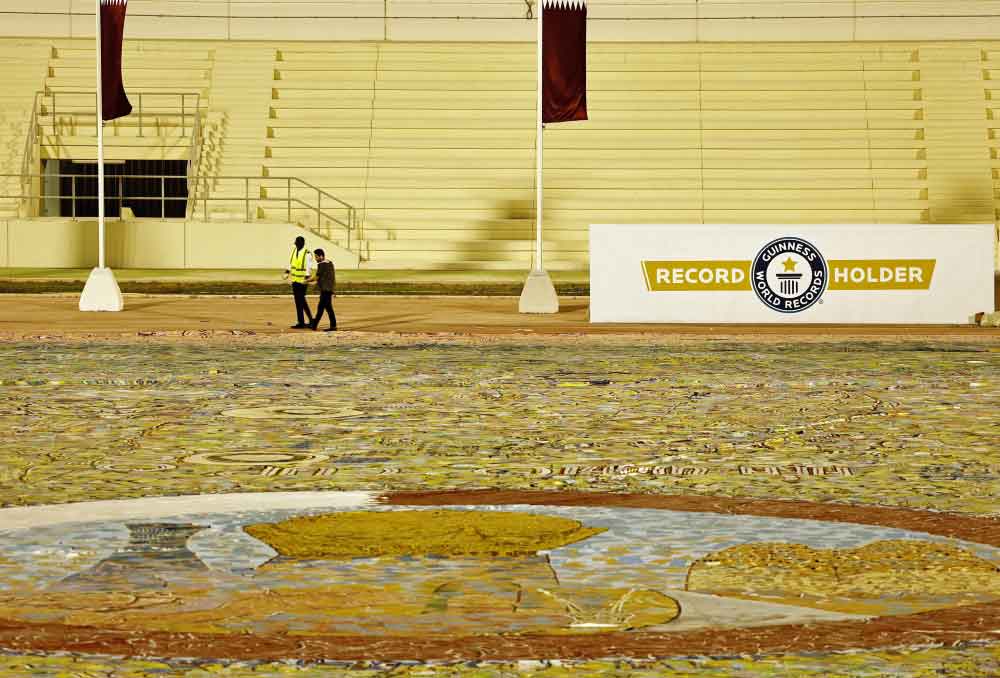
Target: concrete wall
column 503, row 20
column 148, row 243
column 60, row 243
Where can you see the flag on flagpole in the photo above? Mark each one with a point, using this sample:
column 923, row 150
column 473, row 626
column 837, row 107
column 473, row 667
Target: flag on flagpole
column 114, row 101
column 564, row 60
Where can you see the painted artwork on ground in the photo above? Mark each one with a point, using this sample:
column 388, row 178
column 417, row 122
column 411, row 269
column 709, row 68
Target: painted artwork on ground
column 455, row 507
column 395, row 572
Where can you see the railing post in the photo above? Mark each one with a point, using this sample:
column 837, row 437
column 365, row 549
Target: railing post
column 121, row 190
column 163, row 197
column 246, row 196
column 73, row 193
column 288, row 197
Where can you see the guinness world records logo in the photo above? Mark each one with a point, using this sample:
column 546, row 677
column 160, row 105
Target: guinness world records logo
column 789, row 275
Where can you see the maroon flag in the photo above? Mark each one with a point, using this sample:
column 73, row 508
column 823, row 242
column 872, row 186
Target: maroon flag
column 564, row 60
column 115, row 103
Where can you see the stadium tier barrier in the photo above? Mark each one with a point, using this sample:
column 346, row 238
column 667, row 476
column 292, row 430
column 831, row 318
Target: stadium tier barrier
column 510, row 20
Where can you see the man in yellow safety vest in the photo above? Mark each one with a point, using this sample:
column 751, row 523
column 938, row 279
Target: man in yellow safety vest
column 299, row 269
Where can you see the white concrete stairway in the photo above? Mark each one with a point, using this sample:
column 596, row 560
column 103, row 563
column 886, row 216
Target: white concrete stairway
column 233, row 145
column 23, row 68
column 12, row 131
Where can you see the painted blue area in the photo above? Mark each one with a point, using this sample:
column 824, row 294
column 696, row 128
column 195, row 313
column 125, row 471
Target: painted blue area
column 641, row 547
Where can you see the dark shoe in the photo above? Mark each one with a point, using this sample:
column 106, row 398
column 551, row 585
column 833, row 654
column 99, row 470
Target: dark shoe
column 313, row 325
column 300, row 326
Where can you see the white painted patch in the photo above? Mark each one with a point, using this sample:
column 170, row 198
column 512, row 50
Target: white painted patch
column 705, row 610
column 151, row 508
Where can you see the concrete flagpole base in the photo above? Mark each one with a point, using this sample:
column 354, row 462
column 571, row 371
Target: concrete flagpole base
column 539, row 294
column 101, row 292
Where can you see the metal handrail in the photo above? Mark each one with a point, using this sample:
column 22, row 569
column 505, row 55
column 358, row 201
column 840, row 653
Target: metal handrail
column 293, row 204
column 194, row 155
column 74, row 195
column 319, row 196
column 315, row 188
column 90, row 109
column 32, row 136
column 30, row 144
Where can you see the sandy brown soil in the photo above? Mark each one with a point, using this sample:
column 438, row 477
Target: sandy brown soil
column 971, row 623
column 57, row 316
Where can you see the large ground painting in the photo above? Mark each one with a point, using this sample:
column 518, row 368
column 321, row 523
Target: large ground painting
column 463, row 508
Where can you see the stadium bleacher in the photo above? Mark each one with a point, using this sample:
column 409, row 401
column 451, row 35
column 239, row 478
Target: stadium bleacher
column 433, row 143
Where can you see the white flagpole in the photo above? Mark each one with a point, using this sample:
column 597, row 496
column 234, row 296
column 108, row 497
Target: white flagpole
column 539, row 131
column 101, row 293
column 539, row 294
column 100, row 143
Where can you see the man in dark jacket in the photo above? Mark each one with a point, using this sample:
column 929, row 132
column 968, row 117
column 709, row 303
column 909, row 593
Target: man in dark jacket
column 326, row 280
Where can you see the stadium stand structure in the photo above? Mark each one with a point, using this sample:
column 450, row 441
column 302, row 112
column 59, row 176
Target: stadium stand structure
column 433, row 142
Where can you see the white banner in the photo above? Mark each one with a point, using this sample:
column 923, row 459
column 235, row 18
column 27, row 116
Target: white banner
column 885, row 273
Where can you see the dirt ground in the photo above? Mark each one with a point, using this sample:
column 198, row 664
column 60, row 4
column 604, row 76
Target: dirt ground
column 58, row 316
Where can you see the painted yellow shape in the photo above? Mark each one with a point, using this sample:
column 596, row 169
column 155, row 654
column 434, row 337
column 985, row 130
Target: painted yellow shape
column 896, row 568
column 697, row 276
column 398, row 533
column 881, row 274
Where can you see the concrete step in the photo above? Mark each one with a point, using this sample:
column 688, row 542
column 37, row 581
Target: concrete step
column 149, row 128
column 154, row 89
column 462, row 233
column 481, row 248
column 460, row 261
column 453, row 158
column 135, row 69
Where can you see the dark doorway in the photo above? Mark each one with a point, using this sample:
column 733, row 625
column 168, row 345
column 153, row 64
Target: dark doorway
column 154, row 189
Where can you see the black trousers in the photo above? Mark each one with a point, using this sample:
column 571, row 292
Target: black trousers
column 325, row 304
column 301, row 305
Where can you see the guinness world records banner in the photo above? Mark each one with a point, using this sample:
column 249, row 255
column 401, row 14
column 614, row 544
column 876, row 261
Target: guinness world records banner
column 699, row 273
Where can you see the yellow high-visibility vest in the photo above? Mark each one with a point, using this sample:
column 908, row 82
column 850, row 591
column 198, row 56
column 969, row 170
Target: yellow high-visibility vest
column 297, row 265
